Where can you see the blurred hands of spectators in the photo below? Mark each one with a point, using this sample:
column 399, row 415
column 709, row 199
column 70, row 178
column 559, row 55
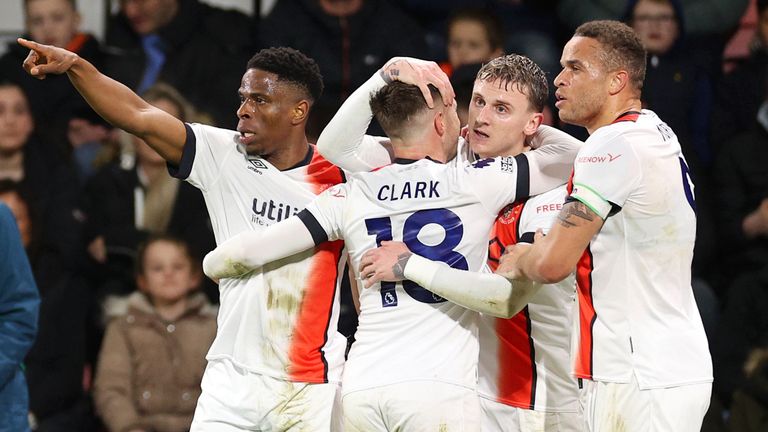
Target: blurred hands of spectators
column 82, row 131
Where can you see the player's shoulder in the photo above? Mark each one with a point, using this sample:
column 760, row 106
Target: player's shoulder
column 209, row 132
column 500, row 163
column 321, row 171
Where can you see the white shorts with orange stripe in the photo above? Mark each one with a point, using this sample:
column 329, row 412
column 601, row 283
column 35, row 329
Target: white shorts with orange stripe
column 413, row 406
column 234, row 399
column 609, row 407
column 499, row 417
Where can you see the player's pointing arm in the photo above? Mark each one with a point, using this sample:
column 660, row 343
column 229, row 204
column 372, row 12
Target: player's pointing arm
column 113, row 101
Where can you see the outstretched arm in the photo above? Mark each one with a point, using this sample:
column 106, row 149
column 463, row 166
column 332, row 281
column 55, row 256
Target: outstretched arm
column 250, row 250
column 113, row 101
column 489, row 293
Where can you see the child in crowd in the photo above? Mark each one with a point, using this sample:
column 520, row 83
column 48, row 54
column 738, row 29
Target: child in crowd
column 153, row 354
column 474, row 36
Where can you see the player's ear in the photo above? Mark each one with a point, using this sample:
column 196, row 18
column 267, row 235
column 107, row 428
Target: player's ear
column 619, row 80
column 439, row 123
column 300, row 112
column 533, row 123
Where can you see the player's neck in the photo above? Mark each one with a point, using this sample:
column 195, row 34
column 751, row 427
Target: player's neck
column 613, row 110
column 289, row 156
column 407, row 149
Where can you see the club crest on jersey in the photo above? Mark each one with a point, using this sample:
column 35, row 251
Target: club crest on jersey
column 507, row 215
column 256, row 165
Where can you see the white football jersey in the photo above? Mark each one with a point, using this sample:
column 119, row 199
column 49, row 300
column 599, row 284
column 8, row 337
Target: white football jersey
column 637, row 314
column 525, row 360
column 442, row 212
column 281, row 320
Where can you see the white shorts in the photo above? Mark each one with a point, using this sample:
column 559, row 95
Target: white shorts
column 414, row 406
column 611, row 407
column 234, row 399
column 499, row 417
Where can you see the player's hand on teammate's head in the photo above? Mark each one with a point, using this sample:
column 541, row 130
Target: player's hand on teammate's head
column 384, row 263
column 420, row 73
column 46, row 59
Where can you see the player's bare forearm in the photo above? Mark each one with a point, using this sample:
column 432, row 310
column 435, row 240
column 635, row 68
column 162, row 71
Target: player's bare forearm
column 553, row 257
column 113, row 101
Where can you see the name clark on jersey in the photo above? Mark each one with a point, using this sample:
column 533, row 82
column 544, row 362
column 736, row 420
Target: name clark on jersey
column 409, row 190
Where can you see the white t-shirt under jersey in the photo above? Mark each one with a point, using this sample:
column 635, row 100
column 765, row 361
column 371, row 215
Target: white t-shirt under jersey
column 637, row 314
column 281, row 320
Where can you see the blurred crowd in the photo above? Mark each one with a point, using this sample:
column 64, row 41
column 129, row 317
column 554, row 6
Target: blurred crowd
column 119, row 349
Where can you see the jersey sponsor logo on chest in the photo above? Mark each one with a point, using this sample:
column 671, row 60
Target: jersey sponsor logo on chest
column 409, row 190
column 269, row 212
column 599, row 158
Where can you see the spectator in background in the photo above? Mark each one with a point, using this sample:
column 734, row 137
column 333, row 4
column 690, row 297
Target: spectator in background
column 740, row 93
column 50, row 182
column 708, row 24
column 677, row 86
column 701, row 17
column 153, row 356
column 740, row 181
column 198, row 49
column 678, row 89
column 57, row 361
column 349, row 39
column 475, row 36
column 54, row 103
column 131, row 198
column 741, row 186
column 18, row 323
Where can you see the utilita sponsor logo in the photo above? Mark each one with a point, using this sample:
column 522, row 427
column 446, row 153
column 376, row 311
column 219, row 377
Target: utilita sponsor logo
column 264, row 211
column 598, row 159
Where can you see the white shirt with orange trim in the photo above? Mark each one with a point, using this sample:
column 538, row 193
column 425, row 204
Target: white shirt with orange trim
column 281, row 320
column 637, row 313
column 525, row 360
column 442, row 212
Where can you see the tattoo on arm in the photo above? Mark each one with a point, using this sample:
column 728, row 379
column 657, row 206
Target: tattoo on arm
column 572, row 212
column 399, row 268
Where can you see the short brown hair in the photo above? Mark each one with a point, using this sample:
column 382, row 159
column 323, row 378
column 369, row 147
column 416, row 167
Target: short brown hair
column 621, row 48
column 397, row 103
column 520, row 71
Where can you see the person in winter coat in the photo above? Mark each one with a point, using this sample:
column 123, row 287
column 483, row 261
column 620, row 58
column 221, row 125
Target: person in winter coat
column 153, row 355
column 19, row 304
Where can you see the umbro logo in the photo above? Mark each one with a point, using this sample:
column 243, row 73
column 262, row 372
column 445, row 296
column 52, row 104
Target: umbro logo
column 256, row 165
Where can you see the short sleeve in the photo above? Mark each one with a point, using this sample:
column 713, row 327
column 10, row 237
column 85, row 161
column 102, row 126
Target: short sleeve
column 324, row 216
column 498, row 181
column 205, row 150
column 606, row 172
